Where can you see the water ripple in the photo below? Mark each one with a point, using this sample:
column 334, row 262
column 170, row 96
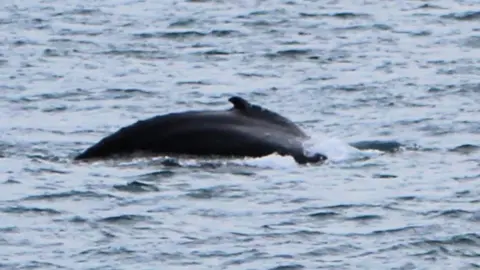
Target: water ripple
column 26, row 210
column 389, row 89
column 68, row 195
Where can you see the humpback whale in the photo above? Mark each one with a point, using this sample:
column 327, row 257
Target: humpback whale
column 245, row 130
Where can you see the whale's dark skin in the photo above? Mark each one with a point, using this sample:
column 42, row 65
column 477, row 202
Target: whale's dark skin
column 245, row 130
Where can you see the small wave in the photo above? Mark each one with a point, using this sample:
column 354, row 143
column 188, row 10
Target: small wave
column 23, row 42
column 342, row 206
column 187, row 34
column 395, row 230
column 429, row 6
column 137, row 54
column 451, row 213
column 324, row 215
column 182, row 23
column 472, row 42
column 204, row 193
column 155, row 176
column 384, row 176
column 77, row 219
column 214, row 52
column 256, row 74
column 466, row 149
column 136, row 187
column 67, row 195
column 79, row 11
column 69, row 95
column 11, row 181
column 34, row 210
column 120, row 93
column 347, row 88
column 10, row 229
column 194, row 83
column 32, row 265
column 414, row 33
column 353, row 28
column 467, row 177
column 475, row 217
column 225, row 33
column 289, row 53
column 53, row 52
column 288, row 267
column 333, row 250
column 217, row 253
column 464, row 16
column 365, row 217
column 464, row 240
column 349, row 15
column 125, row 219
column 107, row 251
column 384, row 146
column 339, row 15
column 217, row 192
column 79, row 32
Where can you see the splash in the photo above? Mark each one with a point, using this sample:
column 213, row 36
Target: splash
column 336, row 150
column 273, row 161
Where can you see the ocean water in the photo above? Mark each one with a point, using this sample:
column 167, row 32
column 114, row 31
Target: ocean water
column 403, row 76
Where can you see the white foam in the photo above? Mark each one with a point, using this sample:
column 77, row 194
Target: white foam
column 336, row 150
column 273, row 161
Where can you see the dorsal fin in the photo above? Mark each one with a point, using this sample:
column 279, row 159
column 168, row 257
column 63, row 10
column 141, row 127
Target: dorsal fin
column 253, row 110
column 256, row 111
column 239, row 103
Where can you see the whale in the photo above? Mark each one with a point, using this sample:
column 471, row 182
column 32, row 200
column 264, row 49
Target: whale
column 244, row 130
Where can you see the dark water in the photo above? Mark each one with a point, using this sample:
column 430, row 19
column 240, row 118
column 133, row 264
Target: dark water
column 71, row 72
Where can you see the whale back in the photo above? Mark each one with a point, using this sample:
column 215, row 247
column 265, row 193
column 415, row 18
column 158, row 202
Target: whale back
column 248, row 109
column 244, row 130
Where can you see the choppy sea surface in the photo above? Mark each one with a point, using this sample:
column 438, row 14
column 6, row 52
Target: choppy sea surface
column 405, row 72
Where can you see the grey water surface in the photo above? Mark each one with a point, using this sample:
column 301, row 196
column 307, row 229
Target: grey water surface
column 72, row 72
